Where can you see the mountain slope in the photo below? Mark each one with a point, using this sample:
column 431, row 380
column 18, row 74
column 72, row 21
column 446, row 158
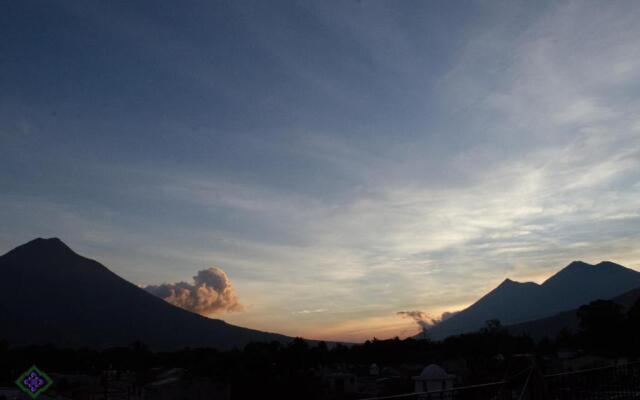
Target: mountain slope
column 513, row 302
column 551, row 326
column 49, row 294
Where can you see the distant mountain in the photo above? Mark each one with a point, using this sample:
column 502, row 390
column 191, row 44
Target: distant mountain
column 49, row 294
column 514, row 302
column 551, row 326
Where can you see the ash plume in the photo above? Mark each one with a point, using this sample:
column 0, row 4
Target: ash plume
column 446, row 315
column 210, row 293
column 421, row 318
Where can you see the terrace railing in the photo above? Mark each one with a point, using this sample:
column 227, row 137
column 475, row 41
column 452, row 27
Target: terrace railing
column 617, row 382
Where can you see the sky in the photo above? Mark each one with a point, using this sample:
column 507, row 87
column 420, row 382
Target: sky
column 329, row 163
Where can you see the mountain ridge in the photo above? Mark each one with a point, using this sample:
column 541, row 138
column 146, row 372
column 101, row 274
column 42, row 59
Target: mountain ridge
column 514, row 302
column 550, row 326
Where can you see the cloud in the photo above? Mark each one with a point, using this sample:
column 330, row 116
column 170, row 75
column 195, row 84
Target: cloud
column 317, row 310
column 210, row 293
column 424, row 321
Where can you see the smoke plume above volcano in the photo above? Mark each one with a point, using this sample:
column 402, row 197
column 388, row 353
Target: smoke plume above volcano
column 210, row 293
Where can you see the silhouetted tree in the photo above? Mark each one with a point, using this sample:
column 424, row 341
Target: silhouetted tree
column 493, row 326
column 633, row 329
column 601, row 322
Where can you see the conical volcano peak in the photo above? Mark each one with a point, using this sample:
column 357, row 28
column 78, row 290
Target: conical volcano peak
column 508, row 282
column 574, row 268
column 52, row 246
column 578, row 264
column 609, row 264
column 52, row 242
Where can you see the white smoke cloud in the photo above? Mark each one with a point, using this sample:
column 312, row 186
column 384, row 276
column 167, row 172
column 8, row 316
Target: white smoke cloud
column 210, row 293
column 425, row 321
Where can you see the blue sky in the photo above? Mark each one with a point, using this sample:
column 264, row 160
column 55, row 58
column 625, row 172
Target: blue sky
column 339, row 160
